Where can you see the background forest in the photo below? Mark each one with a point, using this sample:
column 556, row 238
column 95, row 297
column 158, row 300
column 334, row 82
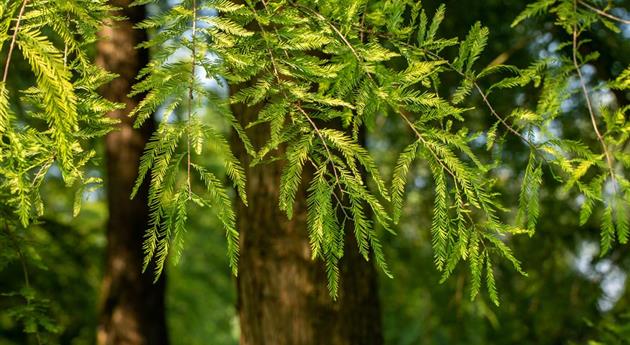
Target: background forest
column 54, row 274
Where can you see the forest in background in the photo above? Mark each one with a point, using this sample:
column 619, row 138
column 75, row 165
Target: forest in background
column 60, row 262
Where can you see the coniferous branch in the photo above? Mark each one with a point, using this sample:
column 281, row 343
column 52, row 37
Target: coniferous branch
column 439, row 237
column 321, row 137
column 376, row 54
column 171, row 84
column 291, row 176
column 588, row 101
column 577, row 162
column 310, row 68
column 190, row 90
column 453, row 68
column 59, row 79
column 472, row 82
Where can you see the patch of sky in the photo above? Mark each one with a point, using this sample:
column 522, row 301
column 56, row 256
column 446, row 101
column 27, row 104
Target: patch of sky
column 611, row 278
column 213, row 83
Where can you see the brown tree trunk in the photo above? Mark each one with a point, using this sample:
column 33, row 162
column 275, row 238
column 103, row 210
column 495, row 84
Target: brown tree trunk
column 132, row 306
column 282, row 294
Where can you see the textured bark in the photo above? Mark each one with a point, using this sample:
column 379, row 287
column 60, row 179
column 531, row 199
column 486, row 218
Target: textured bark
column 282, row 294
column 132, row 306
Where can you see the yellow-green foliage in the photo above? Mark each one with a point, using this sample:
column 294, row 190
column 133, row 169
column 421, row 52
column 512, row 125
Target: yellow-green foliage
column 47, row 118
column 321, row 72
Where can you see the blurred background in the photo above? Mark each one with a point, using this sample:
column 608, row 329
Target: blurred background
column 571, row 295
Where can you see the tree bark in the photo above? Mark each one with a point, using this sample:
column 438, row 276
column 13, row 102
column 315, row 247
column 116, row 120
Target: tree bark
column 282, row 294
column 132, row 306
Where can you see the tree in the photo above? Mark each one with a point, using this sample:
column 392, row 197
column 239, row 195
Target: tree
column 281, row 298
column 132, row 304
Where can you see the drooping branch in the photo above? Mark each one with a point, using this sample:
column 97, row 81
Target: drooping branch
column 600, row 138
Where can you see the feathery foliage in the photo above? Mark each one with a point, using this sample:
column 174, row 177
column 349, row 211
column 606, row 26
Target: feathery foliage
column 320, row 75
column 45, row 125
column 185, row 37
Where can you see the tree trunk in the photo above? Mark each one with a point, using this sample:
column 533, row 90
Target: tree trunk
column 282, row 294
column 132, row 306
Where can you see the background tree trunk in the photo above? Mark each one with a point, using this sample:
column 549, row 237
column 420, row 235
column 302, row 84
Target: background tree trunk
column 282, row 294
column 132, row 306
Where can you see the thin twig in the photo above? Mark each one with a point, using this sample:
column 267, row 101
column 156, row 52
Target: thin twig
column 600, row 138
column 17, row 248
column 343, row 209
column 13, row 39
column 496, row 115
column 332, row 26
column 604, row 14
column 321, row 137
column 190, row 92
column 264, row 34
column 421, row 138
column 484, row 97
column 65, row 46
column 362, row 34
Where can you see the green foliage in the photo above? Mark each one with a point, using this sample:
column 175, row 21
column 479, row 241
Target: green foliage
column 61, row 111
column 46, row 119
column 322, row 75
